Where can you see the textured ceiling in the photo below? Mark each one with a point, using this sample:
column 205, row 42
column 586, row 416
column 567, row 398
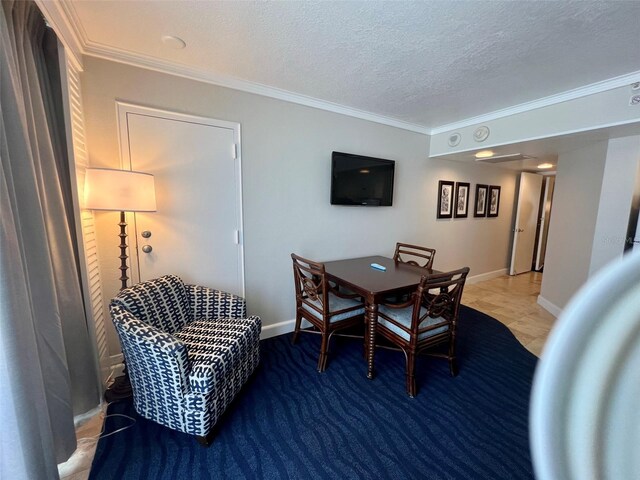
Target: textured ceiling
column 428, row 63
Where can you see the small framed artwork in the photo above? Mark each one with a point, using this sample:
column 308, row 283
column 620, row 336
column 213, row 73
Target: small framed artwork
column 462, row 200
column 480, row 208
column 445, row 199
column 494, row 201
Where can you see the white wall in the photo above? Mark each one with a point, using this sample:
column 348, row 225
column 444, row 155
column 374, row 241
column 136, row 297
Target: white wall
column 573, row 221
column 591, row 207
column 286, row 151
column 616, row 197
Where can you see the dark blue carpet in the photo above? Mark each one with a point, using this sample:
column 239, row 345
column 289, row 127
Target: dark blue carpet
column 292, row 422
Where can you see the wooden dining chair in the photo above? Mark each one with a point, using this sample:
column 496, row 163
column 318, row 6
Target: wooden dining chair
column 414, row 255
column 429, row 318
column 322, row 305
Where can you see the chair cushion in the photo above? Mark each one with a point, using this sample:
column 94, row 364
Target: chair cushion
column 403, row 316
column 162, row 303
column 336, row 303
column 218, row 347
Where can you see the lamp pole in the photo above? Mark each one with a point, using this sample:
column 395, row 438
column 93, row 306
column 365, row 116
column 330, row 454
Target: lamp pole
column 123, row 251
column 121, row 389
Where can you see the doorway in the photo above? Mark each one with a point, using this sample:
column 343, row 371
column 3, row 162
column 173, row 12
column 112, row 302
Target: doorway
column 196, row 232
column 531, row 227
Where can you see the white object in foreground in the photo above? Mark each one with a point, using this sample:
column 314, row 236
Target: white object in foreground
column 585, row 411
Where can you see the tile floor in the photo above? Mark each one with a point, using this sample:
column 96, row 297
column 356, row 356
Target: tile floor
column 512, row 300
column 79, row 465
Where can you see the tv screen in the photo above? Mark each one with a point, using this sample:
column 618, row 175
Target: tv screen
column 358, row 180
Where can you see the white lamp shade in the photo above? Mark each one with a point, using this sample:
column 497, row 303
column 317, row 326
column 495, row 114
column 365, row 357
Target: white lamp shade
column 121, row 190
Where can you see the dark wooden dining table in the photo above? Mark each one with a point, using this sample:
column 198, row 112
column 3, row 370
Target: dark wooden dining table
column 357, row 275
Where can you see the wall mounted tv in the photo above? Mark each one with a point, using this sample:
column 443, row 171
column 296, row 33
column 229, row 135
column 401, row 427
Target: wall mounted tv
column 358, row 180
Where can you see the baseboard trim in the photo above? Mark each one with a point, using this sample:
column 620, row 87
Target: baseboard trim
column 277, row 329
column 549, row 307
column 85, row 417
column 486, row 276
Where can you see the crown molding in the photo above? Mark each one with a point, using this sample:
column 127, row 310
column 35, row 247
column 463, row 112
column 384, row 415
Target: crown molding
column 150, row 63
column 580, row 92
column 63, row 18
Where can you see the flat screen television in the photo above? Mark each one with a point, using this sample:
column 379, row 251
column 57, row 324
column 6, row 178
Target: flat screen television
column 359, row 180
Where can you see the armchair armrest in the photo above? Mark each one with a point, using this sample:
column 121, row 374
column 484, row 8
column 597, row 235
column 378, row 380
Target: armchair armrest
column 210, row 303
column 150, row 352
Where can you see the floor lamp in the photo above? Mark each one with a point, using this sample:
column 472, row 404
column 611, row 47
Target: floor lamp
column 123, row 191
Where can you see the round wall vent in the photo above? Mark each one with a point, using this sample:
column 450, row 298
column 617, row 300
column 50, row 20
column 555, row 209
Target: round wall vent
column 481, row 134
column 454, row 139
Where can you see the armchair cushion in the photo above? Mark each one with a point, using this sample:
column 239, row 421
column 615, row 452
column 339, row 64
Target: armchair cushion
column 217, row 348
column 162, row 302
column 207, row 302
column 335, row 304
column 403, row 317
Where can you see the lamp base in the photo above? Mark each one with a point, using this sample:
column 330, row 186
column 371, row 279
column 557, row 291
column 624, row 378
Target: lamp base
column 120, row 389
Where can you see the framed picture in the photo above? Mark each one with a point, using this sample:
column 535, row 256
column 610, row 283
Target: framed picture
column 462, row 200
column 480, row 208
column 445, row 199
column 494, row 201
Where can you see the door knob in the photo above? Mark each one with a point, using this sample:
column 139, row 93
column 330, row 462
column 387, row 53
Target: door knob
column 146, row 234
column 147, row 248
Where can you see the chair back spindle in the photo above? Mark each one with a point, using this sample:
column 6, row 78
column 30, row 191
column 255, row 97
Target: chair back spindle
column 414, row 255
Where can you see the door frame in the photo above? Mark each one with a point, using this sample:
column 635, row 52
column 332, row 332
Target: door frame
column 547, row 195
column 515, row 232
column 125, row 108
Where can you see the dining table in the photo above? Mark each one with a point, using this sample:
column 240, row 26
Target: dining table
column 374, row 285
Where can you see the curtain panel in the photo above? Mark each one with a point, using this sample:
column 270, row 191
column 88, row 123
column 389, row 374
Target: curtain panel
column 47, row 358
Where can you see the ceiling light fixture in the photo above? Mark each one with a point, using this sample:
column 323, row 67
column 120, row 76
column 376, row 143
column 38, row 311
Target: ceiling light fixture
column 364, row 170
column 545, row 166
column 484, row 154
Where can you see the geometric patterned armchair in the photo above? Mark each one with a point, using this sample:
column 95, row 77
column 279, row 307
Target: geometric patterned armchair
column 188, row 349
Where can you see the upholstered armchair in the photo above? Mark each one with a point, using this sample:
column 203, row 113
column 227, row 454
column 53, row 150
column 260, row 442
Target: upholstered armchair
column 188, row 349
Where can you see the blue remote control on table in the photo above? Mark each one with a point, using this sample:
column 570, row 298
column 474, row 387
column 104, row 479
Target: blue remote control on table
column 377, row 266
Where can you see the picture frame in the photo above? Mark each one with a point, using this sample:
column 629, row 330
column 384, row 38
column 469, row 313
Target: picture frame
column 461, row 206
column 445, row 199
column 493, row 201
column 480, row 205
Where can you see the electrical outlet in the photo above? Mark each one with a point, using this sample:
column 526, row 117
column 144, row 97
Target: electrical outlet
column 634, row 100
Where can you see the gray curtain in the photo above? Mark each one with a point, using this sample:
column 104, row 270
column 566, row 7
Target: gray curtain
column 47, row 358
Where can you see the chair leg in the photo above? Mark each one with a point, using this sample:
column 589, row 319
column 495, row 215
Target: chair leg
column 206, row 440
column 453, row 364
column 322, row 361
column 296, row 330
column 410, row 374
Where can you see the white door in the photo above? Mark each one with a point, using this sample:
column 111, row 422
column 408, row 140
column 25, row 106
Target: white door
column 545, row 218
column 196, row 231
column 524, row 233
